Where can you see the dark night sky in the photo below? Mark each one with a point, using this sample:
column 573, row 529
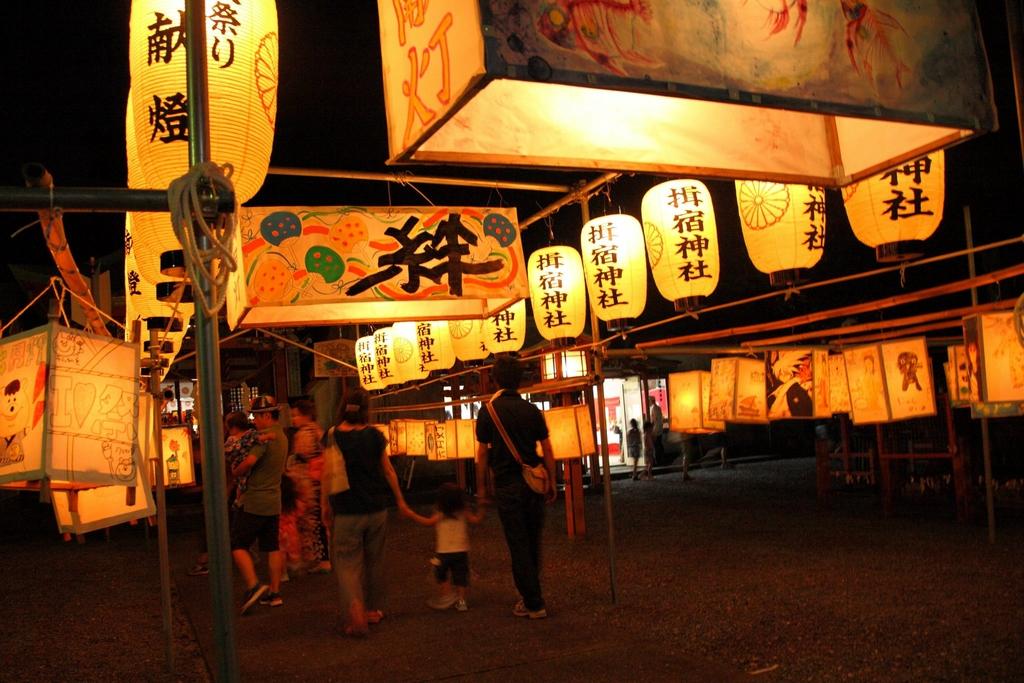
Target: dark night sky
column 65, row 84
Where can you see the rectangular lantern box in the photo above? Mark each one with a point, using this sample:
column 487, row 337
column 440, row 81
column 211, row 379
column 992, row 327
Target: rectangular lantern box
column 571, row 432
column 69, row 408
column 737, row 390
column 103, row 506
column 342, row 349
column 797, row 92
column 451, row 440
column 891, row 381
column 995, row 365
column 316, row 265
column 958, row 377
column 409, row 437
column 838, row 384
column 796, row 382
column 179, row 468
column 689, row 396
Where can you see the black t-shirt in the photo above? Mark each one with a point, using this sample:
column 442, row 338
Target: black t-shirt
column 525, row 426
column 368, row 490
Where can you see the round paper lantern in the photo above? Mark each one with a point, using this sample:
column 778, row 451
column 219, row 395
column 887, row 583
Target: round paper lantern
column 434, row 341
column 613, row 260
column 388, row 370
column 783, row 227
column 407, row 353
column 468, row 339
column 241, row 43
column 682, row 241
column 557, row 292
column 898, row 209
column 366, row 363
column 505, row 331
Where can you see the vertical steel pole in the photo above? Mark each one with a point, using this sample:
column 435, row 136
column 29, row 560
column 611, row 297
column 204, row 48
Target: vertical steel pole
column 1015, row 31
column 602, row 420
column 155, row 373
column 986, row 443
column 211, row 430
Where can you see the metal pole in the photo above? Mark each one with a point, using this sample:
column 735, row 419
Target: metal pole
column 1015, row 30
column 211, row 431
column 161, row 501
column 986, row 444
column 409, row 178
column 92, row 199
column 602, row 420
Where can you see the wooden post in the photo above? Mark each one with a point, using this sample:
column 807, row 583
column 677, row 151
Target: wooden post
column 595, row 459
column 822, row 463
column 961, row 477
column 575, row 518
column 884, row 465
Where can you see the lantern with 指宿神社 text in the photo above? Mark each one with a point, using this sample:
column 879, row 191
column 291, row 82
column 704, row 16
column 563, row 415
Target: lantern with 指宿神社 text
column 388, row 370
column 896, row 210
column 682, row 241
column 407, row 353
column 737, row 390
column 434, row 342
column 468, row 339
column 366, row 363
column 613, row 263
column 570, row 431
column 558, row 292
column 783, row 227
column 689, row 397
column 995, row 365
column 505, row 331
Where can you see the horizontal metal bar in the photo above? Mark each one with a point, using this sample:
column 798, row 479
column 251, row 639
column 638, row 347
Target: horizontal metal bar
column 94, row 199
column 403, row 178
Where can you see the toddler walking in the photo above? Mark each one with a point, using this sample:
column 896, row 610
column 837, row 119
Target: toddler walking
column 451, row 554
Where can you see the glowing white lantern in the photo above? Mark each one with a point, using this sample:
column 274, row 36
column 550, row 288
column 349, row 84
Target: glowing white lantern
column 179, row 468
column 959, row 377
column 366, row 362
column 682, row 241
column 557, row 292
column 563, row 365
column 890, row 381
column 783, row 227
column 468, row 339
column 995, row 363
column 571, row 432
column 689, row 396
column 613, row 261
column 838, row 385
column 409, row 437
column 388, row 370
column 796, row 383
column 896, row 210
column 451, row 440
column 407, row 353
column 434, row 341
column 241, row 40
column 505, row 331
column 737, row 390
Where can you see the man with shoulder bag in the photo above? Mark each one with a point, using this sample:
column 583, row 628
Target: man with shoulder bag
column 508, row 431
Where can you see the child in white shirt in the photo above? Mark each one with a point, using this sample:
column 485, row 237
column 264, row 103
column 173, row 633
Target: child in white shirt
column 451, row 558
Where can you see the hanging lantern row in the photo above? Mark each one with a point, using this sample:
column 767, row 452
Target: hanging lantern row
column 993, row 359
column 783, row 227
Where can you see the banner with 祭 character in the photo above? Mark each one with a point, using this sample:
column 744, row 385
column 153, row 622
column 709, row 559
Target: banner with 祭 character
column 317, row 265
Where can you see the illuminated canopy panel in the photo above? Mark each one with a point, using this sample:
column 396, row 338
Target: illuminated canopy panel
column 676, row 88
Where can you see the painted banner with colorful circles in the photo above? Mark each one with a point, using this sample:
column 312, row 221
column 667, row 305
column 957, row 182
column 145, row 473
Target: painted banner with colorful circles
column 328, row 265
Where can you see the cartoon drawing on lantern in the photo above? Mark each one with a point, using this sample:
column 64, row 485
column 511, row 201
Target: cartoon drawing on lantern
column 14, row 422
column 908, row 364
column 908, row 378
column 120, row 460
column 173, row 466
column 789, row 383
column 606, row 30
column 69, row 348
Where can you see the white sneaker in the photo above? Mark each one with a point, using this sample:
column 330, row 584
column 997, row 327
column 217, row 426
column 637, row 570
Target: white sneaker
column 461, row 606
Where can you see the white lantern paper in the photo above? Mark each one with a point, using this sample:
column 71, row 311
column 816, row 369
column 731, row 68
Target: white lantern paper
column 241, row 40
column 104, row 506
column 366, row 363
column 70, row 401
column 682, row 241
column 570, row 431
column 995, row 362
column 505, row 331
column 897, row 209
column 838, row 385
column 783, row 227
column 407, row 352
column 434, row 341
column 613, row 261
column 689, row 396
column 796, row 382
column 179, row 466
column 451, row 440
column 868, row 402
column 908, row 378
column 468, row 339
column 558, row 292
column 737, row 390
column 409, row 437
column 388, row 370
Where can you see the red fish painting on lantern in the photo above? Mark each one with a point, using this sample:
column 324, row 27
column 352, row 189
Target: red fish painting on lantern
column 606, row 30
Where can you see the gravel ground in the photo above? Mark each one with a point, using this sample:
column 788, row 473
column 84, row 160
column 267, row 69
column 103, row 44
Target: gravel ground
column 737, row 569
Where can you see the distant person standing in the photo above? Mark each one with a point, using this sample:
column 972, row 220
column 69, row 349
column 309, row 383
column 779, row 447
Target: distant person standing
column 520, row 509
column 617, row 431
column 259, row 516
column 634, row 444
column 307, row 464
column 658, row 430
column 648, row 449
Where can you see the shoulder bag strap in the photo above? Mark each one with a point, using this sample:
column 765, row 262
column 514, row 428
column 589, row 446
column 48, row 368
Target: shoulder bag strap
column 501, row 428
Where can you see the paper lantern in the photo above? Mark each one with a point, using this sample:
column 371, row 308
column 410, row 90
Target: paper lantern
column 689, row 396
column 896, row 210
column 468, row 339
column 388, row 370
column 571, row 432
column 451, row 440
column 558, row 292
column 796, row 383
column 959, row 379
column 241, row 39
column 814, row 92
column 407, row 352
column 682, row 241
column 103, row 506
column 838, row 385
column 315, row 265
column 995, row 364
column 868, row 402
column 890, row 381
column 737, row 390
column 783, row 227
column 366, row 362
column 70, row 401
column 344, row 350
column 563, row 365
column 505, row 331
column 613, row 261
column 179, row 468
column 409, row 437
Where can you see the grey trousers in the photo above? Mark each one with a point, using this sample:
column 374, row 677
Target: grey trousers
column 357, row 553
